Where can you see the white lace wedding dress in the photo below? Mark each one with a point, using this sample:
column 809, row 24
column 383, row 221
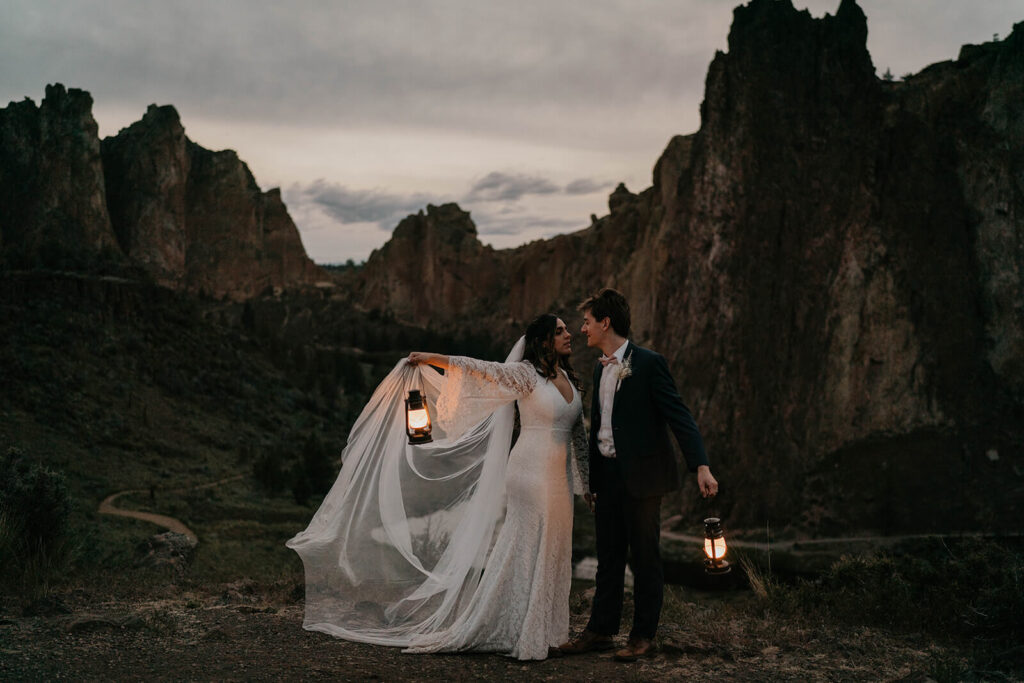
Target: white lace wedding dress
column 412, row 550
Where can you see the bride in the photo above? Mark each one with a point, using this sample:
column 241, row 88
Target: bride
column 459, row 544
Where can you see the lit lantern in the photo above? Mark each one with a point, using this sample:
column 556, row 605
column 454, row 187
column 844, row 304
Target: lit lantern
column 417, row 419
column 714, row 547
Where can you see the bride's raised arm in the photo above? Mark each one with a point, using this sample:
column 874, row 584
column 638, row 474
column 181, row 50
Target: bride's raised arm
column 475, row 388
column 511, row 380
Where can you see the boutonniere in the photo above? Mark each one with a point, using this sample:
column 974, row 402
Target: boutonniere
column 625, row 369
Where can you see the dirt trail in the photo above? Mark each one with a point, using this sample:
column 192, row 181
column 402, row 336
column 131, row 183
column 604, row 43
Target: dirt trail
column 107, row 508
column 825, row 544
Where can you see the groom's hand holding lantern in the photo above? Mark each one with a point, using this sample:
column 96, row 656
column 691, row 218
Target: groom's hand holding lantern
column 706, row 482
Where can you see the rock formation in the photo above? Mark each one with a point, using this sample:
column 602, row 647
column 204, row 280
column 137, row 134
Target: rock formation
column 196, row 219
column 422, row 270
column 240, row 241
column 52, row 195
column 147, row 169
column 193, row 219
column 833, row 265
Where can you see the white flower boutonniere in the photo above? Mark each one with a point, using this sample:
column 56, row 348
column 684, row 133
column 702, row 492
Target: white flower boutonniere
column 625, row 369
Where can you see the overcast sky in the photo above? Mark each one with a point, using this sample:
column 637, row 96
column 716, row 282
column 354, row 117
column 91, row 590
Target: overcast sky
column 526, row 113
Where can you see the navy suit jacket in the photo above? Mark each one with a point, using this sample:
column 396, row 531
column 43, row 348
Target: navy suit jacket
column 647, row 405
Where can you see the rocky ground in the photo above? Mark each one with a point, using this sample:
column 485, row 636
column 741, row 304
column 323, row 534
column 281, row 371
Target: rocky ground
column 241, row 631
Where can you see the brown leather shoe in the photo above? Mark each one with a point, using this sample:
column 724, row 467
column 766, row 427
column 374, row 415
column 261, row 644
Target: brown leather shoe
column 588, row 641
column 635, row 649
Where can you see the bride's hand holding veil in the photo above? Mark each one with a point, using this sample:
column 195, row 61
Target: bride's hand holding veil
column 436, row 359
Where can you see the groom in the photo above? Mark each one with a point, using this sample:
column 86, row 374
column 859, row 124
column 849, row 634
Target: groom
column 632, row 466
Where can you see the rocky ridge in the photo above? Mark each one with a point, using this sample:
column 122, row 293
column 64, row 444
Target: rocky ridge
column 193, row 219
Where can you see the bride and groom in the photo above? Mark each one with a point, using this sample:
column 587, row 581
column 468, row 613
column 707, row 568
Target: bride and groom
column 465, row 545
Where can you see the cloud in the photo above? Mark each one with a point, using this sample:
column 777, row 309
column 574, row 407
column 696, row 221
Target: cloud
column 511, row 220
column 521, row 69
column 526, row 224
column 587, row 186
column 497, row 186
column 347, row 205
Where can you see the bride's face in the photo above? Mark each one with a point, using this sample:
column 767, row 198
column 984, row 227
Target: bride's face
column 562, row 339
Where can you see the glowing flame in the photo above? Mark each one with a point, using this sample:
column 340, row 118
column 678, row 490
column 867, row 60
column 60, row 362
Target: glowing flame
column 418, row 419
column 714, row 548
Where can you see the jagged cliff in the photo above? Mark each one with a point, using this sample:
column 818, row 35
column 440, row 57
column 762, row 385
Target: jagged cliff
column 193, row 219
column 52, row 195
column 833, row 265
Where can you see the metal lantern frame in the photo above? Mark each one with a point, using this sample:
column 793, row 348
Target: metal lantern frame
column 419, row 434
column 714, row 537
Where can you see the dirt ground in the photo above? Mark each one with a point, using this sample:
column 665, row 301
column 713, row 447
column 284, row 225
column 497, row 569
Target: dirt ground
column 240, row 632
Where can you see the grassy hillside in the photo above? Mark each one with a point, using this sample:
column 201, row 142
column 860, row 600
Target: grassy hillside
column 117, row 385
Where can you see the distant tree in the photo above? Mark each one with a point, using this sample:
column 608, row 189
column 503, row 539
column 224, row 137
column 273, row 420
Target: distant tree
column 887, row 76
column 353, row 379
column 248, row 317
column 268, row 470
column 314, row 472
column 300, row 485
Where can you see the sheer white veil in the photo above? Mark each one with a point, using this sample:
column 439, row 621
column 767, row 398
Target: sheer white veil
column 397, row 547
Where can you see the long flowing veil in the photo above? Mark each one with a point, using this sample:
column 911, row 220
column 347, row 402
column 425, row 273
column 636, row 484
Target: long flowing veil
column 398, row 545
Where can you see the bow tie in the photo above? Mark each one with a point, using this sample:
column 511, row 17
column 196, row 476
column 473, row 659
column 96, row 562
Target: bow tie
column 608, row 360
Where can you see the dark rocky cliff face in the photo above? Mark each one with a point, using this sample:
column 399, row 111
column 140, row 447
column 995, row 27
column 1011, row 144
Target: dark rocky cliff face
column 147, row 168
column 433, row 271
column 193, row 219
column 197, row 219
column 52, row 194
column 240, row 241
column 833, row 265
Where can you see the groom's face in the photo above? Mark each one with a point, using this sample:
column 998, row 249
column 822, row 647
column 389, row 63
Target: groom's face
column 594, row 330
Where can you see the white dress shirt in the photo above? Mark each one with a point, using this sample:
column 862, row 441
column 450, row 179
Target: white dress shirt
column 606, row 392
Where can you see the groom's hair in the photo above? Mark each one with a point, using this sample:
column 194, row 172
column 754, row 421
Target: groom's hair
column 608, row 303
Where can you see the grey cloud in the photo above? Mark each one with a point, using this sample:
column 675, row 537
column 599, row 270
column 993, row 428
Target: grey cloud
column 445, row 63
column 586, row 72
column 348, row 205
column 587, row 186
column 497, row 186
column 497, row 223
column 448, row 63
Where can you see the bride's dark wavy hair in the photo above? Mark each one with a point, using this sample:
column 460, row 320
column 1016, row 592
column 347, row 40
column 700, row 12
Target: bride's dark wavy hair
column 540, row 349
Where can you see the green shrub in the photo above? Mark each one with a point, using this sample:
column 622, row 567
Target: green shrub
column 34, row 512
column 268, row 470
column 314, row 473
column 34, row 499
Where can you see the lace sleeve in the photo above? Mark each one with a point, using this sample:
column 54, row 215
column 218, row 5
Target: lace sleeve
column 474, row 389
column 514, row 380
column 580, row 457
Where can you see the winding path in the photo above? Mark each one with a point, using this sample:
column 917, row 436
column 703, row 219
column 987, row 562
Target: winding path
column 827, row 545
column 177, row 526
